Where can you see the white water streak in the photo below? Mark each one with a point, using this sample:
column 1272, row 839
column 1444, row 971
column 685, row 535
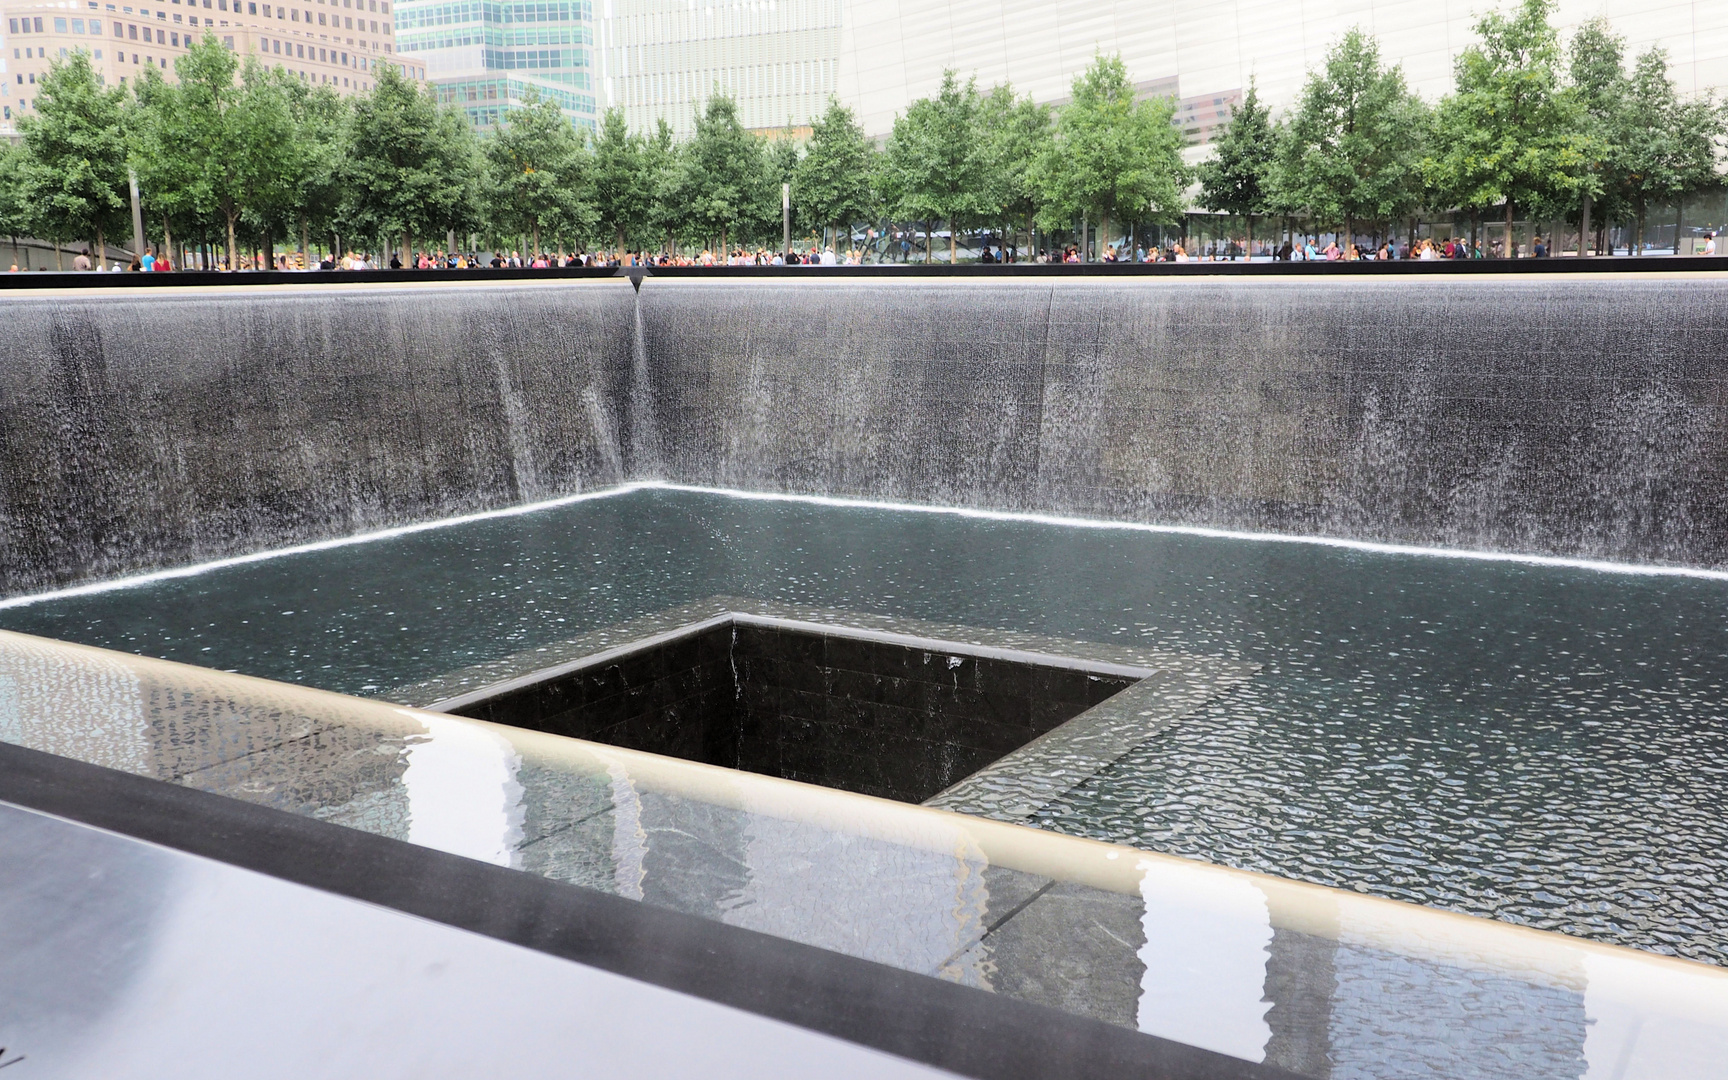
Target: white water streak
column 1593, row 565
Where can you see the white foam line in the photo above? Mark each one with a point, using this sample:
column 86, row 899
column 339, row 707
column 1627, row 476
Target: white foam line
column 320, row 545
column 1594, row 565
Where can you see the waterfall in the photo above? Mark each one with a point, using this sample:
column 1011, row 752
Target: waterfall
column 1577, row 416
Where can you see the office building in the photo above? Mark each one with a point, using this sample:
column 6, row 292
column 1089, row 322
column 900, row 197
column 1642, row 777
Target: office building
column 340, row 43
column 485, row 55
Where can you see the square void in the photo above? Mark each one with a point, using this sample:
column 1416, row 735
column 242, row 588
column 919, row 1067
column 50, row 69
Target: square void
column 876, row 713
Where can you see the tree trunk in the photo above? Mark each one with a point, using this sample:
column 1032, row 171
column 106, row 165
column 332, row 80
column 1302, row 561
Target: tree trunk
column 305, row 243
column 1349, row 235
column 269, row 250
column 1510, row 252
column 534, row 234
column 618, row 241
column 1638, row 232
column 101, row 248
column 1679, row 218
column 59, row 257
column 1248, row 252
column 233, row 248
column 953, row 242
column 1584, row 228
column 929, row 241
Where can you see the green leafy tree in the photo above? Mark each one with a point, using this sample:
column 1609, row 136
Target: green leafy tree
column 831, row 183
column 1018, row 131
column 1113, row 158
column 77, row 166
column 239, row 134
column 1670, row 145
column 1600, row 92
column 321, row 120
column 272, row 97
column 938, row 162
column 16, row 209
column 1510, row 134
column 409, row 166
column 1239, row 177
column 662, row 174
column 1352, row 151
column 724, row 182
column 624, row 187
column 539, row 172
column 163, row 153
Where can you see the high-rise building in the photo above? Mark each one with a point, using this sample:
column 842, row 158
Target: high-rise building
column 340, row 43
column 485, row 55
column 779, row 59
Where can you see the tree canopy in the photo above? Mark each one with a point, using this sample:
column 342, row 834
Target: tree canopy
column 831, row 181
column 1511, row 134
column 76, row 172
column 540, row 172
column 937, row 166
column 1112, row 157
column 248, row 154
column 1352, row 150
column 1239, row 177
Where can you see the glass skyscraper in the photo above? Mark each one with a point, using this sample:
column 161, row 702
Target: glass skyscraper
column 483, row 55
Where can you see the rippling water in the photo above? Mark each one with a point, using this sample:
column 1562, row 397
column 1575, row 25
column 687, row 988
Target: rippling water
column 1543, row 745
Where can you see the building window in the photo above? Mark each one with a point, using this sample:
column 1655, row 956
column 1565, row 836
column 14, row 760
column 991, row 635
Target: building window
column 132, row 32
column 228, row 43
column 59, row 26
column 77, row 26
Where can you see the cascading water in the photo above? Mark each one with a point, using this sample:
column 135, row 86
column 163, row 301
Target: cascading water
column 1577, row 416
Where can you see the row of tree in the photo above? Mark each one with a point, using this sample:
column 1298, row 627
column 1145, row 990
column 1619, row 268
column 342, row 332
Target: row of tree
column 1530, row 129
column 241, row 156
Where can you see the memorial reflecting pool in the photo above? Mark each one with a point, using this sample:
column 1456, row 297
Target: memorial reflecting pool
column 1542, row 744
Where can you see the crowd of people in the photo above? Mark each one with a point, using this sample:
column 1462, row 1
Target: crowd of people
column 1292, row 250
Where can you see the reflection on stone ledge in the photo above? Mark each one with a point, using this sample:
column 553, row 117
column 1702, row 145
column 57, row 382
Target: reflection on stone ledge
column 1325, row 983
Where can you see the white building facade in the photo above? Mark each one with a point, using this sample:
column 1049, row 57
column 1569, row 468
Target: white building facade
column 779, row 59
column 782, row 58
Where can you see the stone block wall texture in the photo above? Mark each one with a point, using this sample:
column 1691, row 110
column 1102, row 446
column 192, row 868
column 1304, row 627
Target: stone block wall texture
column 1577, row 415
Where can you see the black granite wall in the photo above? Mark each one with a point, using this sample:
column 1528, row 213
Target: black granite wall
column 165, row 427
column 884, row 719
column 868, row 716
column 1575, row 415
column 676, row 698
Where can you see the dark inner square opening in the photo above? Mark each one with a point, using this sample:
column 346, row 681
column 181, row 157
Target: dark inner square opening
column 861, row 711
